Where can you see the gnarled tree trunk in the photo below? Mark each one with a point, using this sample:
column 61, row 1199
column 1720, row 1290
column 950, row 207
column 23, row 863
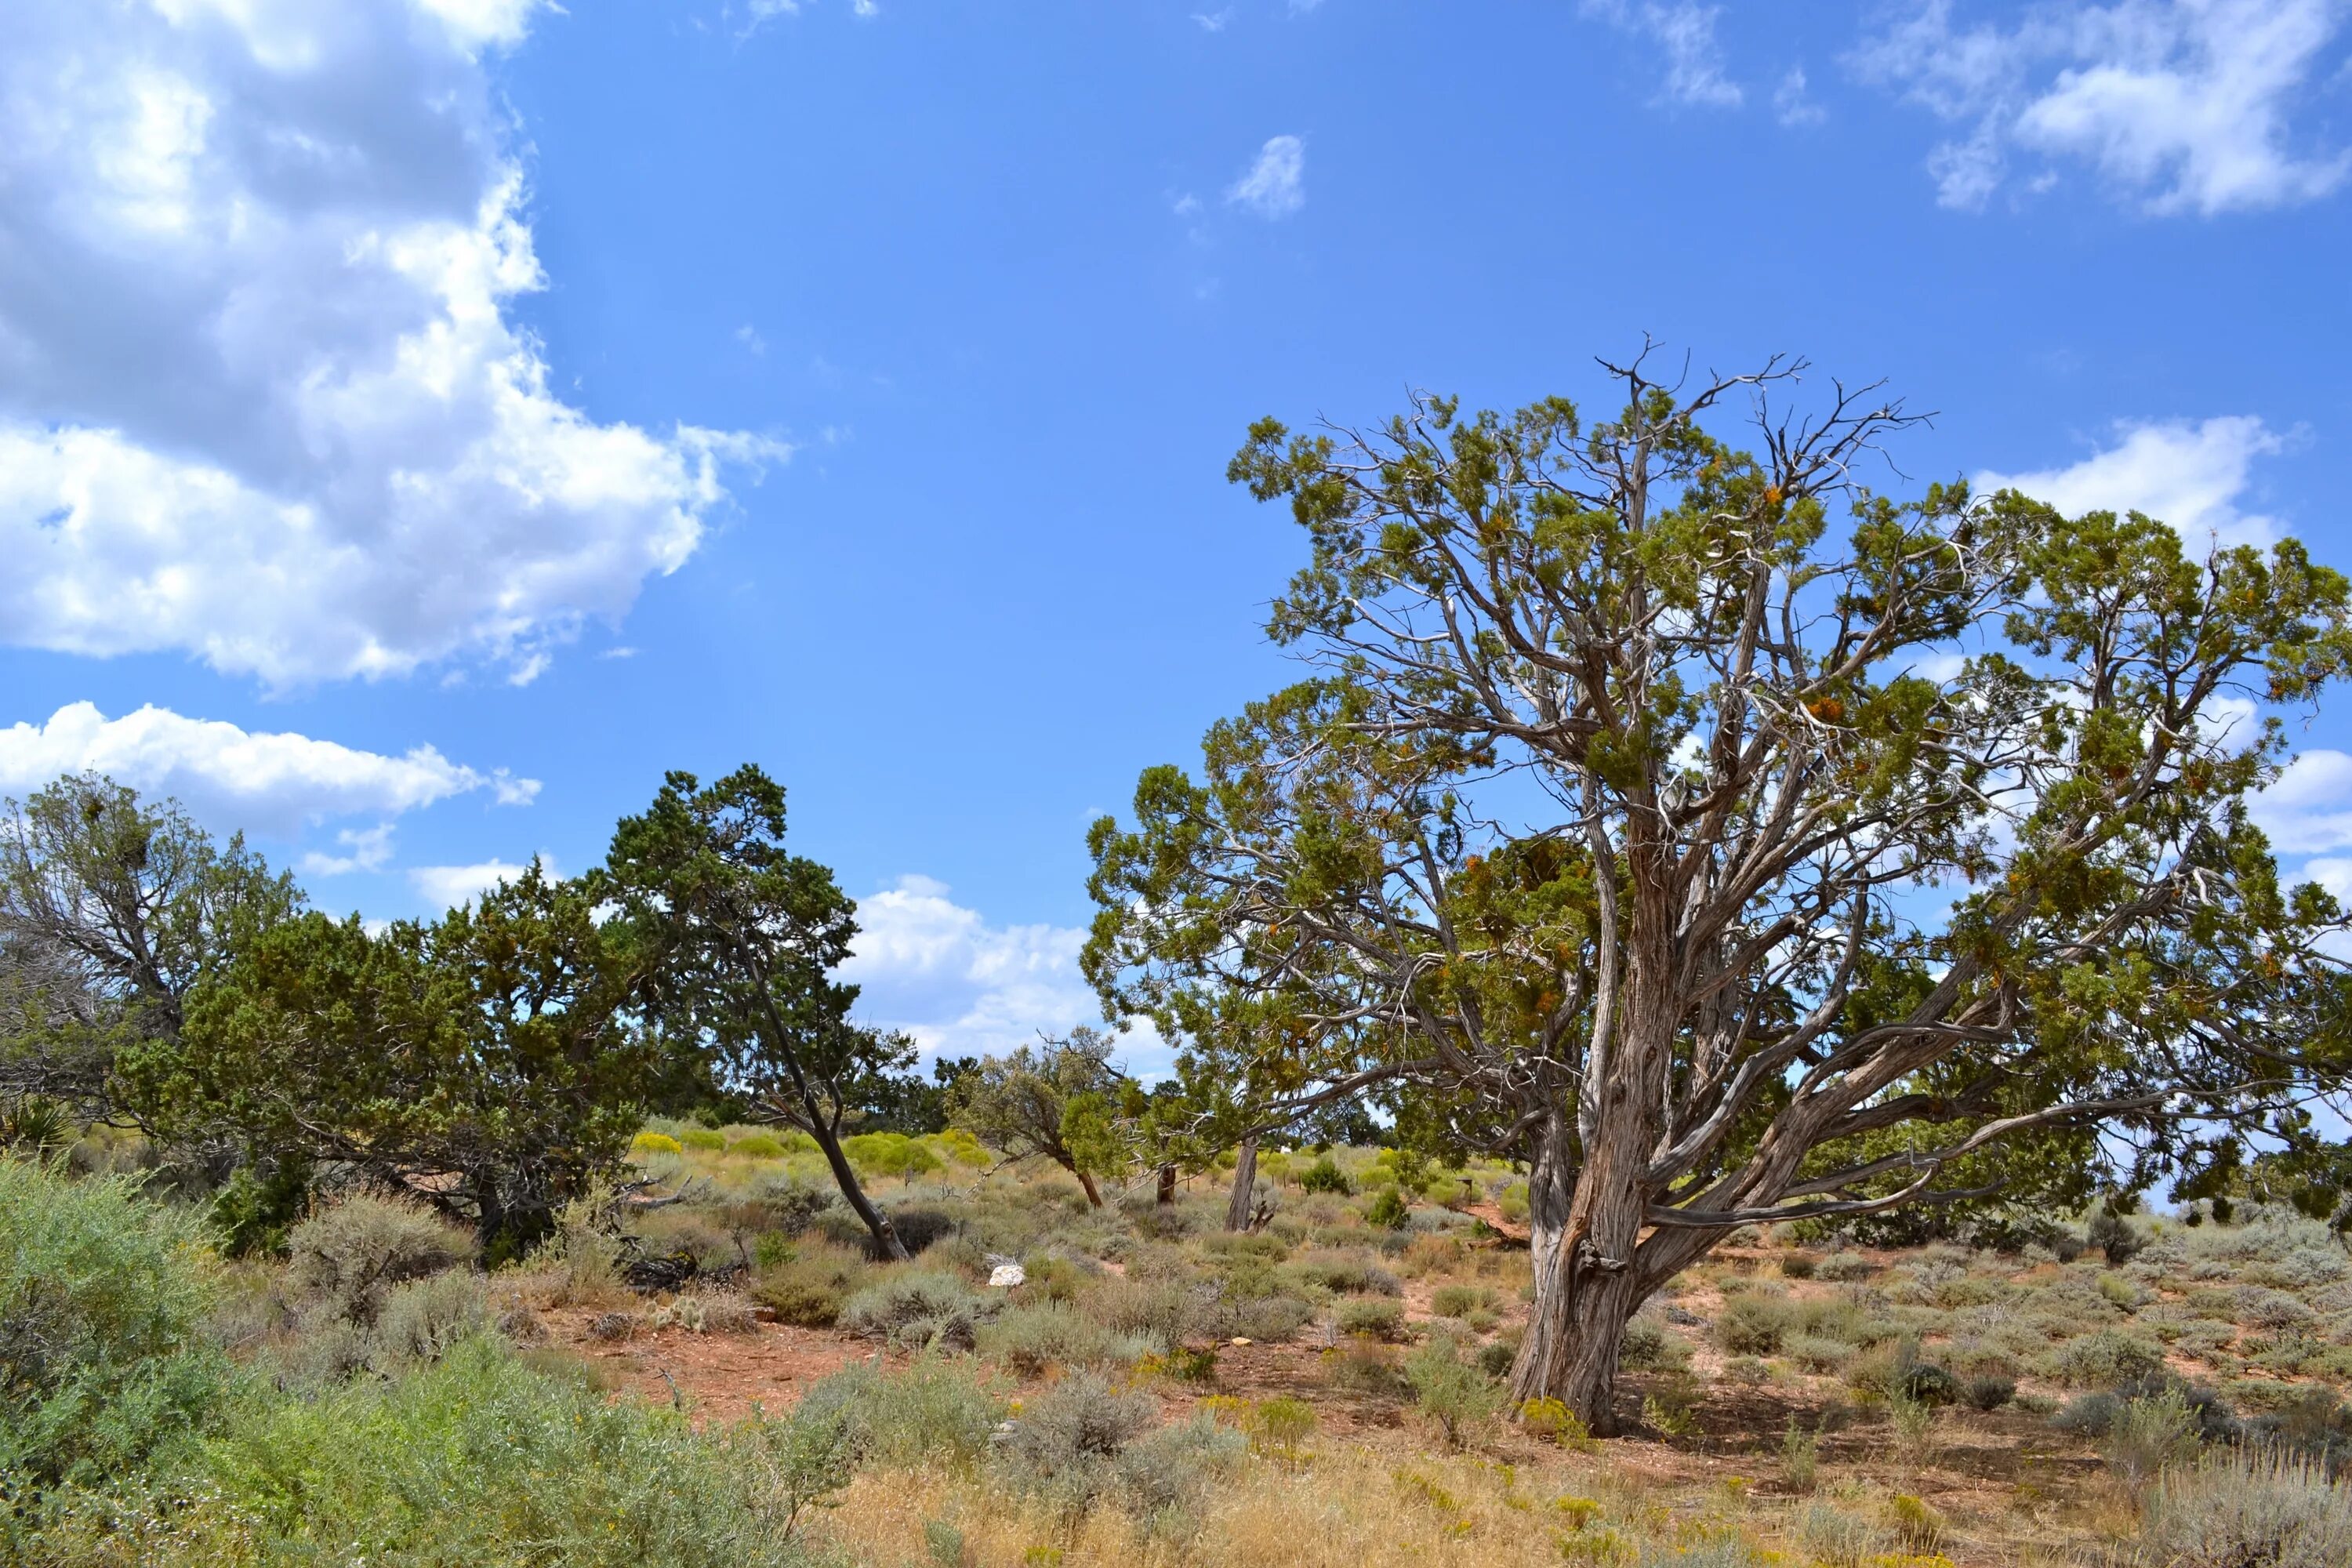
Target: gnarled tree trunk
column 1239, row 1208
column 1166, row 1191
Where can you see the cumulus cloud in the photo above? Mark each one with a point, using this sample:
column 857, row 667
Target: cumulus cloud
column 365, row 849
column 271, row 782
column 2182, row 105
column 1276, row 185
column 261, row 397
column 1685, row 31
column 2309, row 810
column 450, row 886
column 962, row 986
column 1789, row 103
column 2191, row 475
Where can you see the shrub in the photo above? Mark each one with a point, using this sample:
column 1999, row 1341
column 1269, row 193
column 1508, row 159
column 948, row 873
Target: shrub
column 889, row 1154
column 480, row 1460
column 1325, row 1176
column 1460, row 1300
column 1281, row 1424
column 1799, row 1265
column 102, row 1362
column 1927, row 1383
column 933, row 1409
column 808, row 1289
column 708, row 1140
column 2249, row 1509
column 1378, row 1318
column 1063, row 1439
column 424, row 1320
column 1364, row 1366
column 1555, row 1422
column 348, row 1258
column 918, row 1309
column 2113, row 1235
column 647, row 1144
column 758, row 1146
column 1169, row 1310
column 1648, row 1346
column 1988, row 1391
column 1028, row 1340
column 1837, row 1538
column 2103, row 1359
column 586, row 1249
column 1801, row 1456
column 1349, row 1277
column 2146, row 1434
column 1845, row 1268
column 1815, row 1353
column 1450, row 1389
column 1389, row 1210
column 1751, row 1324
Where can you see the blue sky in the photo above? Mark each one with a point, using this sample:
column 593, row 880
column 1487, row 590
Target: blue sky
column 423, row 422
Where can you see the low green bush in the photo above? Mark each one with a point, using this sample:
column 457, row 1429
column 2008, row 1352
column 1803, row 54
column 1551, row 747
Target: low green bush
column 1325, row 1176
column 480, row 1460
column 1029, row 1340
column 103, row 1364
column 1455, row 1392
column 708, row 1140
column 933, row 1410
column 918, row 1309
column 1375, row 1317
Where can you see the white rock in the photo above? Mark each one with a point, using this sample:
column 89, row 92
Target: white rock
column 1004, row 1276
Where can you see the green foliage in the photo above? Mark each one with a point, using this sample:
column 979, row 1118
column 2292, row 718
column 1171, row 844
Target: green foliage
column 1387, row 1210
column 2151, row 1432
column 758, row 1146
column 1083, row 1441
column 918, row 1309
column 1325, row 1176
column 113, row 912
column 1453, row 1391
column 479, row 1460
column 517, row 1076
column 1029, row 1340
column 1060, row 1101
column 1376, row 1316
column 737, row 940
column 889, row 1154
column 934, row 1409
column 103, row 1365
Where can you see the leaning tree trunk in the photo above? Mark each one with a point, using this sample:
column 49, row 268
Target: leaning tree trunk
column 1240, row 1208
column 1167, row 1192
column 1094, row 1188
column 887, row 1244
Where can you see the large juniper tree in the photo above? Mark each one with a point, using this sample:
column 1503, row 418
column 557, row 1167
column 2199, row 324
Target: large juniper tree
column 1735, row 844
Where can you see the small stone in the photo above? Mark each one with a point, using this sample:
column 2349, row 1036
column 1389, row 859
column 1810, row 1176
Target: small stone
column 1004, row 1276
column 1241, row 1342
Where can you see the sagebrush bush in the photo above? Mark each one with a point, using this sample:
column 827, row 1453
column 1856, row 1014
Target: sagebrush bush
column 480, row 1460
column 347, row 1258
column 917, row 1309
column 1376, row 1316
column 1649, row 1346
column 1325, row 1176
column 934, row 1409
column 423, row 1320
column 2248, row 1510
column 2148, row 1434
column 1029, row 1340
column 1751, row 1323
column 2102, row 1359
column 103, row 1296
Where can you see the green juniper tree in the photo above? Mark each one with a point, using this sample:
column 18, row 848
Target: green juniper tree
column 1728, row 862
column 113, row 911
column 741, row 938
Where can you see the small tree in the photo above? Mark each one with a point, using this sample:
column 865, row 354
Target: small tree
column 486, row 1060
column 1731, row 868
column 741, row 940
column 112, row 910
column 1060, row 1101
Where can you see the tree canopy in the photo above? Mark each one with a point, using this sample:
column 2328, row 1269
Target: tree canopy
column 1727, row 862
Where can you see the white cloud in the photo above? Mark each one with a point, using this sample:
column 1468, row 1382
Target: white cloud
column 230, row 777
column 1276, row 185
column 2184, row 105
column 261, row 397
column 2189, row 475
column 368, row 849
column 962, row 986
column 1685, row 31
column 1213, row 21
column 450, row 886
column 2309, row 810
column 1790, row 104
